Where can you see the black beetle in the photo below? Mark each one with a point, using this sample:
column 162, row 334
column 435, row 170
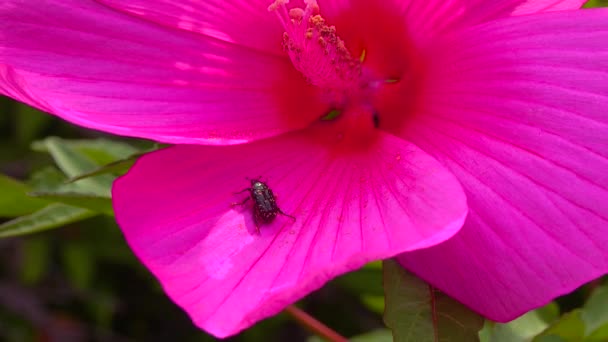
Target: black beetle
column 265, row 208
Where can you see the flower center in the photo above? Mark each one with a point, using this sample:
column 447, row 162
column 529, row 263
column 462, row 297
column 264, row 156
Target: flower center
column 319, row 54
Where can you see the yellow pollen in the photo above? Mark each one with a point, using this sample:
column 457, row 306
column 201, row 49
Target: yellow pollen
column 312, row 4
column 296, row 14
column 276, row 4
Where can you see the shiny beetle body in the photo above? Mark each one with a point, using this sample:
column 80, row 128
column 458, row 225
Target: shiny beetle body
column 265, row 208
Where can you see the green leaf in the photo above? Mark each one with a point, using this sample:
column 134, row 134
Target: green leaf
column 589, row 323
column 14, row 200
column 569, row 327
column 595, row 315
column 100, row 151
column 415, row 311
column 373, row 303
column 49, row 184
column 117, row 167
column 521, row 329
column 599, row 334
column 73, row 163
column 52, row 216
column 595, row 311
column 103, row 156
column 596, row 3
column 94, row 203
column 48, row 179
column 104, row 151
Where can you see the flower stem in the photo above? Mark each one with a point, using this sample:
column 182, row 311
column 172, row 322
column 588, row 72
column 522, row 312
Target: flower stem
column 314, row 325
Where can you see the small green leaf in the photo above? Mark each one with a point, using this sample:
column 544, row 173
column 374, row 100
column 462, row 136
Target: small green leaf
column 521, row 329
column 599, row 334
column 415, row 311
column 595, row 314
column 104, row 151
column 47, row 179
column 587, row 324
column 52, row 216
column 74, row 163
column 117, row 167
column 569, row 327
column 596, row 3
column 49, row 184
column 373, row 303
column 14, row 200
column 94, row 203
column 101, row 151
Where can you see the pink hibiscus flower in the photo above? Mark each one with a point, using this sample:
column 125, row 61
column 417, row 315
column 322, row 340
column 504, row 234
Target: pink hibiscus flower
column 485, row 115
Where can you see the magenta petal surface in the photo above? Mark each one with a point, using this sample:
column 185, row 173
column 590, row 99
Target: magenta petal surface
column 516, row 109
column 243, row 22
column 107, row 70
column 423, row 20
column 174, row 208
column 537, row 6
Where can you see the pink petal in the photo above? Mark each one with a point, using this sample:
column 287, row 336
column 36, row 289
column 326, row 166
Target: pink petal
column 536, row 6
column 394, row 35
column 422, row 20
column 106, row 70
column 516, row 109
column 174, row 207
column 243, row 22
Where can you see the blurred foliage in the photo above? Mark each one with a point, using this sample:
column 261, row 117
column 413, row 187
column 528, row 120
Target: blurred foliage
column 82, row 283
column 415, row 311
column 588, row 323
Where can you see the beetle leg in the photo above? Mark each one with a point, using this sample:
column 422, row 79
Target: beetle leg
column 240, row 192
column 284, row 214
column 241, row 203
column 257, row 224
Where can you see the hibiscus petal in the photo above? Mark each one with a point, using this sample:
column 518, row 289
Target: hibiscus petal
column 423, row 20
column 406, row 29
column 244, row 22
column 174, row 208
column 106, row 70
column 516, row 109
column 537, row 6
